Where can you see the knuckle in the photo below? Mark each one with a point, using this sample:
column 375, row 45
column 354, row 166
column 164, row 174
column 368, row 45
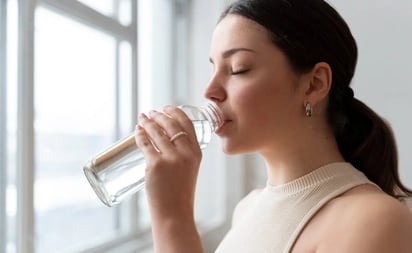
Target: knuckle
column 175, row 112
column 188, row 121
column 192, row 157
column 171, row 124
column 154, row 162
column 143, row 142
column 159, row 133
column 148, row 124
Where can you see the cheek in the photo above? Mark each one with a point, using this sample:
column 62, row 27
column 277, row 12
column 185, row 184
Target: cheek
column 254, row 107
column 249, row 106
column 257, row 98
column 244, row 93
column 266, row 103
column 253, row 92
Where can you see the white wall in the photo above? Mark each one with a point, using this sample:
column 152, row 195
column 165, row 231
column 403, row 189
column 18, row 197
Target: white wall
column 383, row 79
column 204, row 17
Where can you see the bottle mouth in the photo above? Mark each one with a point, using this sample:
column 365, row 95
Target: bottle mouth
column 217, row 115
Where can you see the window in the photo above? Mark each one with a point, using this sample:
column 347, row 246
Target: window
column 69, row 87
column 75, row 100
column 70, row 92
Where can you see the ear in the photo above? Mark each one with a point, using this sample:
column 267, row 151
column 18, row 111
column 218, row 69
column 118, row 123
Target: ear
column 318, row 85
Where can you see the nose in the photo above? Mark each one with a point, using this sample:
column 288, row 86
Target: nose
column 215, row 90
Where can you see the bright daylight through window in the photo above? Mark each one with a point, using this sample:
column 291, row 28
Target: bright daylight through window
column 74, row 75
column 82, row 68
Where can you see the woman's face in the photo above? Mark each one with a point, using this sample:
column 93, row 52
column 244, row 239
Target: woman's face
column 254, row 85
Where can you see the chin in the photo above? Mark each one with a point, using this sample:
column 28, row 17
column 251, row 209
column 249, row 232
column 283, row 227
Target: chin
column 227, row 149
column 233, row 149
column 229, row 152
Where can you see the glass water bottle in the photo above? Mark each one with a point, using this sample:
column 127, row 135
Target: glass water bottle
column 119, row 171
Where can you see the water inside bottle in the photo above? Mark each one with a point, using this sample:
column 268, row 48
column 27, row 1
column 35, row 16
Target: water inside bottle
column 203, row 131
column 126, row 175
column 114, row 178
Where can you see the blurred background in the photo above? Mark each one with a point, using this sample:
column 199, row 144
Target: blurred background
column 75, row 74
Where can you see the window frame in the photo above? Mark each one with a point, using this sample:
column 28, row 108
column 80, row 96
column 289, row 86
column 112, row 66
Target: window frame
column 25, row 223
column 3, row 125
column 25, row 130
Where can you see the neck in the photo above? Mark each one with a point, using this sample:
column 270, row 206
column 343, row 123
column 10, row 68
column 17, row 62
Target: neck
column 309, row 152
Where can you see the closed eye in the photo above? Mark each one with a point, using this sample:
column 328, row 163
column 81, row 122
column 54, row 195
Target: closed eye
column 238, row 72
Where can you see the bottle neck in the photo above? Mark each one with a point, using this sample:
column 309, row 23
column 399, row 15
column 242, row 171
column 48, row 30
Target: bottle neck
column 213, row 114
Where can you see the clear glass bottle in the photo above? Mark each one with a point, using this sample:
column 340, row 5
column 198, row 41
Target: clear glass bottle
column 119, row 171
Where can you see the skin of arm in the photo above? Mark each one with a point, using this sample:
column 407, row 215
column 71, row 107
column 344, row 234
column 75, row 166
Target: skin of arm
column 386, row 230
column 172, row 235
column 362, row 220
column 376, row 223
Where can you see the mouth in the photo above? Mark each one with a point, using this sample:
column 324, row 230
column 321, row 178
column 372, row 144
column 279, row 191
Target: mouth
column 219, row 130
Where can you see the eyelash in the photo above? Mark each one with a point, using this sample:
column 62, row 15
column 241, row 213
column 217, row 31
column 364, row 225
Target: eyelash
column 239, row 72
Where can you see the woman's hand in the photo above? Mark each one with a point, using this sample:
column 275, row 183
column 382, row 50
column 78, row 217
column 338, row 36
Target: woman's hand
column 168, row 142
column 172, row 166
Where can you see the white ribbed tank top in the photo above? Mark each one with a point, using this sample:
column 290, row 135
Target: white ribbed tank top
column 273, row 219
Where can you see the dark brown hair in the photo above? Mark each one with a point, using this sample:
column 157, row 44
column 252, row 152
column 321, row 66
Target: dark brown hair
column 309, row 32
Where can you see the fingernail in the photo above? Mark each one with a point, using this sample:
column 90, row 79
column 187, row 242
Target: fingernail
column 151, row 112
column 143, row 116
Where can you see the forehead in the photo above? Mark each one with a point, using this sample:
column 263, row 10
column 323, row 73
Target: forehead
column 237, row 31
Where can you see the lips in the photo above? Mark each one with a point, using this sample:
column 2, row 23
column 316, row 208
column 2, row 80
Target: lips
column 222, row 127
column 226, row 120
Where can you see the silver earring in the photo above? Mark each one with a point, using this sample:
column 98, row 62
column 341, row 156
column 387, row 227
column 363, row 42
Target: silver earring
column 308, row 109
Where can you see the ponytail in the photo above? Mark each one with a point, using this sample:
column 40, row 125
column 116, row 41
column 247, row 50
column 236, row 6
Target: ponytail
column 368, row 143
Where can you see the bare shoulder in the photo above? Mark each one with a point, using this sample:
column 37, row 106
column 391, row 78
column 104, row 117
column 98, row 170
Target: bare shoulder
column 243, row 205
column 368, row 220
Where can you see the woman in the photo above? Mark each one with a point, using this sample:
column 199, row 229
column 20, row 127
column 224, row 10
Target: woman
column 282, row 71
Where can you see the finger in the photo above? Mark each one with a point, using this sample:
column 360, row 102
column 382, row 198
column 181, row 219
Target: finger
column 171, row 126
column 143, row 142
column 156, row 133
column 183, row 120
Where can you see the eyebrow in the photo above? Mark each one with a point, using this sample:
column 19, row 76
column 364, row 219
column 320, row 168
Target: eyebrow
column 232, row 51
